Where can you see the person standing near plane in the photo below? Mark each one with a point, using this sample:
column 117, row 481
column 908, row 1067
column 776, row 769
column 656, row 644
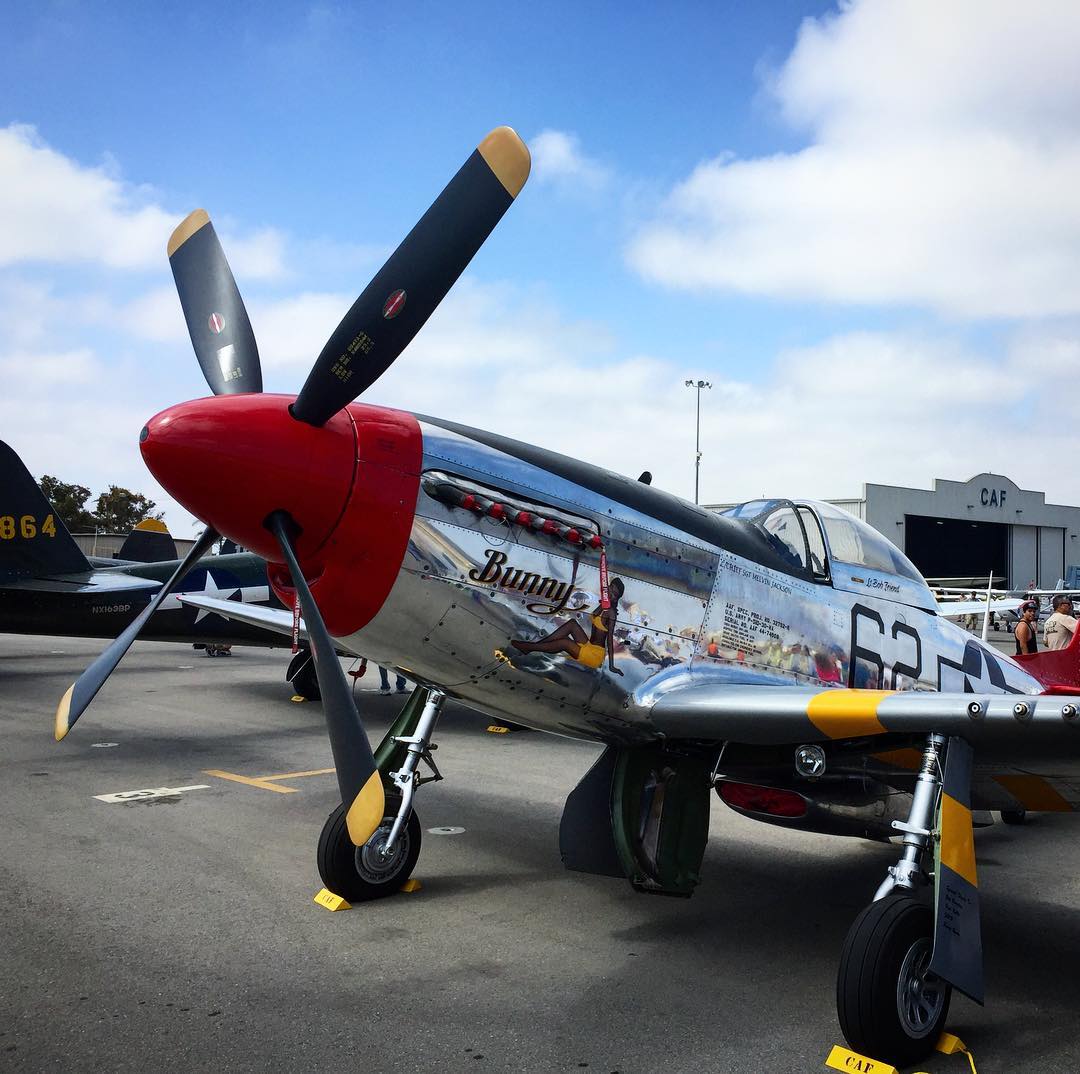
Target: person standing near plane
column 1059, row 628
column 1026, row 633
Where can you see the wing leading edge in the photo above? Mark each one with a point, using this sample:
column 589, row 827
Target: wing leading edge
column 764, row 715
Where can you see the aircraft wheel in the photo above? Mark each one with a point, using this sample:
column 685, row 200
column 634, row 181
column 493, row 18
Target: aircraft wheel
column 358, row 874
column 889, row 1006
column 1014, row 816
column 306, row 683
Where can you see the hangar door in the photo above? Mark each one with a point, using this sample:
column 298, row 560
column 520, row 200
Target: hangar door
column 956, row 548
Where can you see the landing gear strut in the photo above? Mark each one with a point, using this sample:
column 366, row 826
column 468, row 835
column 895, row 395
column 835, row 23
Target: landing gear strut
column 889, row 1004
column 387, row 859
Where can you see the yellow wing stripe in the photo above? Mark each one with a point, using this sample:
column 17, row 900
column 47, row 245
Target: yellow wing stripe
column 1033, row 792
column 508, row 157
column 186, row 228
column 366, row 813
column 958, row 839
column 847, row 713
column 910, row 759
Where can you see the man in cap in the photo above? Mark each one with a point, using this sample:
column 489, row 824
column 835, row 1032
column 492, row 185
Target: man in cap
column 1026, row 633
column 1059, row 628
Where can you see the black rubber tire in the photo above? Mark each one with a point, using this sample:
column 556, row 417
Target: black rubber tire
column 306, row 682
column 337, row 859
column 1014, row 816
column 867, row 1002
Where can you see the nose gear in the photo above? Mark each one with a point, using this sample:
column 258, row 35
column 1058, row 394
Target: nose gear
column 405, row 780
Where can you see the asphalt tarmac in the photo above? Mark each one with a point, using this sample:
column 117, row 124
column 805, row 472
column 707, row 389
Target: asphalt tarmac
column 178, row 933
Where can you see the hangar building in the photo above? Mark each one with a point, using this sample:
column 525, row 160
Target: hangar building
column 962, row 530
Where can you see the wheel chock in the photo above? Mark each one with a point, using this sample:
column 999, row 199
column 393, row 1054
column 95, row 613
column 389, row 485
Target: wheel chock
column 497, row 729
column 410, row 886
column 298, row 699
column 843, row 1059
column 950, row 1044
column 329, row 901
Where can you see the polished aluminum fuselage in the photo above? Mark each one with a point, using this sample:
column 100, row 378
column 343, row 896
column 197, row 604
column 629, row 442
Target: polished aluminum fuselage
column 692, row 611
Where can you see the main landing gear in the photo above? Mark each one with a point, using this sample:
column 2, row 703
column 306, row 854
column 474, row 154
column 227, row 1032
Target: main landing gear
column 387, row 859
column 889, row 1004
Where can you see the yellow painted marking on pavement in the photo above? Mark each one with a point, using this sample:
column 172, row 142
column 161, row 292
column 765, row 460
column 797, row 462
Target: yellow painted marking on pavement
column 847, row 713
column 366, row 812
column 958, row 839
column 411, row 886
column 329, row 901
column 911, row 759
column 249, row 781
column 267, row 783
column 843, row 1059
column 298, row 699
column 299, row 775
column 1033, row 792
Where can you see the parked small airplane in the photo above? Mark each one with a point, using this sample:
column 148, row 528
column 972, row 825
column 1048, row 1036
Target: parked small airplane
column 783, row 653
column 149, row 542
column 48, row 586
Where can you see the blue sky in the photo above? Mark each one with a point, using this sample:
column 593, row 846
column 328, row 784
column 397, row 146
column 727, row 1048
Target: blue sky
column 860, row 222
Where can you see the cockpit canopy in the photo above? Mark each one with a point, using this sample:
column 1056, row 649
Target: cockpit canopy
column 831, row 545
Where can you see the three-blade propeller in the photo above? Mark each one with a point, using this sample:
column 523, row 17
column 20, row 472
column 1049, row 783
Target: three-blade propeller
column 374, row 332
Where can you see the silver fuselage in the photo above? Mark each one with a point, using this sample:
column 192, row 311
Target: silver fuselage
column 698, row 606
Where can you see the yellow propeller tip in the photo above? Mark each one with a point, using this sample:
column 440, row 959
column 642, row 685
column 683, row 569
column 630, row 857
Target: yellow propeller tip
column 63, row 714
column 508, row 157
column 186, row 228
column 367, row 810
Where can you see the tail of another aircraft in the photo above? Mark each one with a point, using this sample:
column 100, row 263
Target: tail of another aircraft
column 1057, row 669
column 149, row 542
column 34, row 543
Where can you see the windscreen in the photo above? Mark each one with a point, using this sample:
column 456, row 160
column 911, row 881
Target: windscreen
column 853, row 541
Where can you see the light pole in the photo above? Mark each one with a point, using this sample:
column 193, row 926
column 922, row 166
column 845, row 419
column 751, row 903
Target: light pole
column 698, row 385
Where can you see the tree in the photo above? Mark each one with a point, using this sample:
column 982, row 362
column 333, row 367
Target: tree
column 69, row 503
column 120, row 510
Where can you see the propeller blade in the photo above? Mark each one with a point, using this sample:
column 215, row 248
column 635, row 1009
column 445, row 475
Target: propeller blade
column 83, row 690
column 406, row 290
column 216, row 318
column 358, row 777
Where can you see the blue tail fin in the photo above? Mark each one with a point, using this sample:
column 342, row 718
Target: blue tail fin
column 34, row 543
column 149, row 542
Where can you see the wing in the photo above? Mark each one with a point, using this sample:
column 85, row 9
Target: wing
column 952, row 608
column 276, row 619
column 763, row 715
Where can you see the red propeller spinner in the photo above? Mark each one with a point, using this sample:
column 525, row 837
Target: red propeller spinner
column 350, row 486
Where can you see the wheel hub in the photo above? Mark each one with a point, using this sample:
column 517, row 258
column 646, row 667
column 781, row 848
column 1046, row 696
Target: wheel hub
column 373, row 863
column 920, row 995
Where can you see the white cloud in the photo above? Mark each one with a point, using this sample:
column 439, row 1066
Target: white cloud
column 44, row 371
column 942, row 169
column 55, row 210
column 259, row 256
column 291, row 331
column 557, row 158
